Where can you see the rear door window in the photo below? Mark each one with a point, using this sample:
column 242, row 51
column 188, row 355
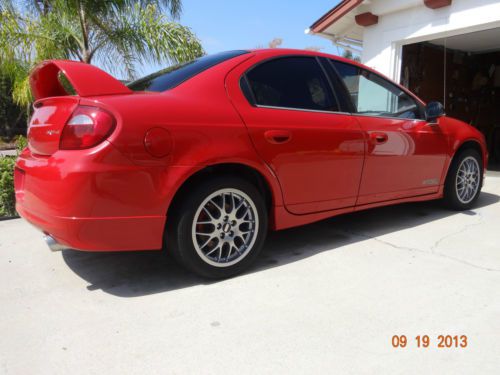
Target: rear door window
column 290, row 82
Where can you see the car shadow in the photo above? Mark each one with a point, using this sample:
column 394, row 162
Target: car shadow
column 132, row 274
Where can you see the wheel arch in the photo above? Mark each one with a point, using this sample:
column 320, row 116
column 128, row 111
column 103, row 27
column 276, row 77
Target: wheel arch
column 470, row 144
column 239, row 169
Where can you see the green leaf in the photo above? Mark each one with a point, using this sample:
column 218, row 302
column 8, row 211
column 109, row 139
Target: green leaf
column 120, row 35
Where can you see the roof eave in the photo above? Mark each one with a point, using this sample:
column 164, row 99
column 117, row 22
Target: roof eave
column 344, row 7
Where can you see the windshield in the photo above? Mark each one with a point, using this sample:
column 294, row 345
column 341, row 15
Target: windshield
column 172, row 76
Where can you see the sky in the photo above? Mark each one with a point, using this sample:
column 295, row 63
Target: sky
column 223, row 25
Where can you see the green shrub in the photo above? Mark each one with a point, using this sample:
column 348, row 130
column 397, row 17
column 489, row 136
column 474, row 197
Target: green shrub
column 7, row 197
column 21, row 143
column 7, row 194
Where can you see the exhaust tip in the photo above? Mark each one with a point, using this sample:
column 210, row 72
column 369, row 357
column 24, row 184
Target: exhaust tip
column 53, row 244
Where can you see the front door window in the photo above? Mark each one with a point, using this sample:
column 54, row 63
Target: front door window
column 373, row 95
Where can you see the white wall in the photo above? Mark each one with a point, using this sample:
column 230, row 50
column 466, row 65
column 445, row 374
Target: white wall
column 416, row 23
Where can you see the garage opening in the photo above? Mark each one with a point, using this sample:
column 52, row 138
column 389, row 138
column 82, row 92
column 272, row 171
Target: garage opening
column 463, row 73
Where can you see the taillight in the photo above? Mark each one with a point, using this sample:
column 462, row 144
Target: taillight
column 87, row 127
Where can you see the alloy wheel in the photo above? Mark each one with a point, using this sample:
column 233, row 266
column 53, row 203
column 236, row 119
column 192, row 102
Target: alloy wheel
column 467, row 180
column 225, row 227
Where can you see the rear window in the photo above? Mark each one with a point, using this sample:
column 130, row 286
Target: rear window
column 172, row 76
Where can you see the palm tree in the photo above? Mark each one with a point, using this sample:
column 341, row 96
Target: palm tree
column 118, row 34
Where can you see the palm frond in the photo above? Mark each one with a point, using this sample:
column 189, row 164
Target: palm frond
column 120, row 34
column 146, row 34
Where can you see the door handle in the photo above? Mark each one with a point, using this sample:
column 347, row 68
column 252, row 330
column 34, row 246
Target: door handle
column 378, row 138
column 277, row 136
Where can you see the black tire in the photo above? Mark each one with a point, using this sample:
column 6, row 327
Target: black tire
column 180, row 240
column 451, row 195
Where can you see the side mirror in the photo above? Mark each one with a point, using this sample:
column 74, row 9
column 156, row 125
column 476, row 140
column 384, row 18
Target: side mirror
column 433, row 110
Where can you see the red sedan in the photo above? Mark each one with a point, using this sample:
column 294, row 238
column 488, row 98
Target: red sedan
column 203, row 158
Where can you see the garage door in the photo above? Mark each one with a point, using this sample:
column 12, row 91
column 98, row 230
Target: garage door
column 462, row 72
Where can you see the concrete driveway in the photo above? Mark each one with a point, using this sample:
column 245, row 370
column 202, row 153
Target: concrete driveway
column 324, row 298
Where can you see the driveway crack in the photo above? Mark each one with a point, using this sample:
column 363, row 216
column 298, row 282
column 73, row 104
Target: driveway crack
column 462, row 230
column 432, row 249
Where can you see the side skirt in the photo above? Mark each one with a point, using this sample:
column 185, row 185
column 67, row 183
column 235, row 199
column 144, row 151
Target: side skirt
column 283, row 219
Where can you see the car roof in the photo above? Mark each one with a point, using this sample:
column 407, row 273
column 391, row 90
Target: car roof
column 293, row 51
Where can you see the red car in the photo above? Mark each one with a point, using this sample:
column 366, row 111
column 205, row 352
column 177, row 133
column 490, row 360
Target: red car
column 203, row 158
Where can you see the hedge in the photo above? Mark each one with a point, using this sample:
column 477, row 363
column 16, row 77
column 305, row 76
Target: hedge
column 7, row 195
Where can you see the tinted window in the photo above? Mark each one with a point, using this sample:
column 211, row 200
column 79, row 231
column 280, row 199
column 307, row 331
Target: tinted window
column 291, row 82
column 343, row 99
column 374, row 95
column 172, row 76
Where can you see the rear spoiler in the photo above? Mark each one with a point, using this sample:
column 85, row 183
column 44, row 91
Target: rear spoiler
column 86, row 79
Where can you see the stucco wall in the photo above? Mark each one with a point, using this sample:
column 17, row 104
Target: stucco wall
column 382, row 42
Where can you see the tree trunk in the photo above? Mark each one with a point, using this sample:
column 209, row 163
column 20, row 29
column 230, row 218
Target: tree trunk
column 86, row 56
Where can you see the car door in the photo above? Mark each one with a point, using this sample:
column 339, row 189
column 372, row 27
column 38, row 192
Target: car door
column 405, row 154
column 295, row 124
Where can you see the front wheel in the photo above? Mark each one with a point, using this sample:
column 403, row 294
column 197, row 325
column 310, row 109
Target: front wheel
column 219, row 228
column 464, row 180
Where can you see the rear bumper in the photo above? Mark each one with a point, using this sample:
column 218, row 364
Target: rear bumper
column 96, row 199
column 99, row 234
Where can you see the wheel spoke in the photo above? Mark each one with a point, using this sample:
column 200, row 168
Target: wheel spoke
column 205, row 230
column 215, row 204
column 233, row 202
column 205, row 222
column 237, row 249
column 246, row 212
column 224, row 203
column 230, row 251
column 208, row 213
column 207, row 242
column 213, row 250
column 242, row 202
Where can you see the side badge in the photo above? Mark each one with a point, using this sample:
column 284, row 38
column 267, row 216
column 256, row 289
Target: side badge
column 431, row 181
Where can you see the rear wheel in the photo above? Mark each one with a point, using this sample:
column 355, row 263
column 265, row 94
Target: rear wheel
column 464, row 180
column 219, row 229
